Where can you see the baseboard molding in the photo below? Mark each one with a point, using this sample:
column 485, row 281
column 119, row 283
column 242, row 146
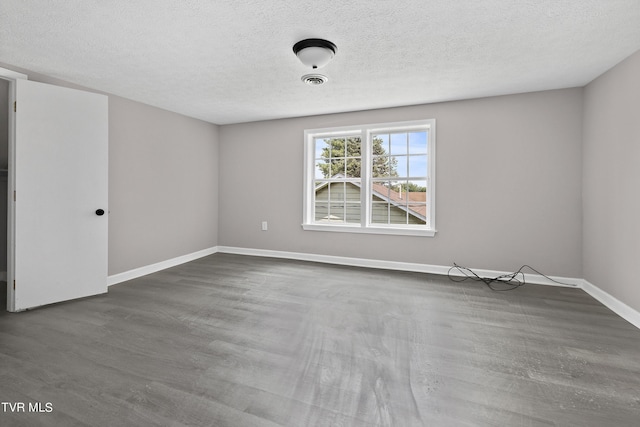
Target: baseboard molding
column 143, row 271
column 394, row 265
column 330, row 259
column 621, row 309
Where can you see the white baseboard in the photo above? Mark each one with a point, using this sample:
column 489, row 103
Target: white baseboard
column 330, row 259
column 143, row 271
column 621, row 309
column 609, row 301
column 394, row 265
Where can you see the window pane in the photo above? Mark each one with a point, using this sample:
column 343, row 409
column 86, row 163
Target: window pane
column 380, row 145
column 353, row 213
column 354, row 148
column 417, row 213
column 322, row 191
column 322, row 148
column 400, row 192
column 353, row 167
column 337, row 191
column 380, row 213
column 337, row 146
column 399, row 166
column 418, row 166
column 417, row 198
column 380, row 167
column 321, row 212
column 330, row 197
column 398, row 143
column 397, row 215
column 322, row 170
column 380, row 190
column 336, row 212
column 417, row 190
column 418, row 142
column 337, row 168
column 352, row 192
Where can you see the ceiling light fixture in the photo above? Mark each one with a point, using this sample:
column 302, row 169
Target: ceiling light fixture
column 314, row 53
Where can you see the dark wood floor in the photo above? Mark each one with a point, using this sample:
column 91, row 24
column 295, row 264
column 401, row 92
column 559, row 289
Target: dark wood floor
column 231, row 340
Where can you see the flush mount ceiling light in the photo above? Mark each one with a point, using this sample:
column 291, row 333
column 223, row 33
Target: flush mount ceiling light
column 314, row 79
column 314, row 53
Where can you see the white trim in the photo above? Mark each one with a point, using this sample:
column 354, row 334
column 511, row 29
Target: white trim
column 12, row 75
column 346, row 228
column 13, row 78
column 393, row 265
column 621, row 309
column 143, row 271
column 330, row 259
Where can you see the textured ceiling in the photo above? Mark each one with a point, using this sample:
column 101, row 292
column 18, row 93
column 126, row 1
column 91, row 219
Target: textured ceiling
column 231, row 61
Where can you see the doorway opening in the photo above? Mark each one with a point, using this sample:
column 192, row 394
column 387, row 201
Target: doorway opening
column 4, row 167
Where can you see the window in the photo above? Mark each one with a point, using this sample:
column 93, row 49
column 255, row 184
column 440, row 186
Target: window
column 371, row 179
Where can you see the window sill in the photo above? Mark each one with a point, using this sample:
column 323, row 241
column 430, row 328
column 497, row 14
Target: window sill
column 370, row 230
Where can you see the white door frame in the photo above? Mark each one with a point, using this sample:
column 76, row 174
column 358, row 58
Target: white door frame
column 11, row 76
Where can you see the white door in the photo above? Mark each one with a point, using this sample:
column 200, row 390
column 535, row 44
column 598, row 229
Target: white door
column 58, row 169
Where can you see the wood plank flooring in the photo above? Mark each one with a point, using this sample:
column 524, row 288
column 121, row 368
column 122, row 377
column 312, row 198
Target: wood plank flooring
column 231, row 340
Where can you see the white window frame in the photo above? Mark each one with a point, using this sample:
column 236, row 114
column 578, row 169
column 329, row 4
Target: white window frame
column 365, row 132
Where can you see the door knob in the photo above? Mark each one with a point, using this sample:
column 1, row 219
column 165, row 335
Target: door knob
column 100, row 212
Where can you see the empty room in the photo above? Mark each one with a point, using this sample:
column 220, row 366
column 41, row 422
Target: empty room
column 337, row 213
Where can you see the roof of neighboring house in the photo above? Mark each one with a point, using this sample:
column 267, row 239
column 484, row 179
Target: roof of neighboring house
column 399, row 200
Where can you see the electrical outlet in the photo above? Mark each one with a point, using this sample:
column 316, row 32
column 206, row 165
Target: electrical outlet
column 265, row 226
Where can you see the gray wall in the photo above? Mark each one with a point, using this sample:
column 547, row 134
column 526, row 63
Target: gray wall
column 509, row 173
column 611, row 181
column 163, row 182
column 163, row 185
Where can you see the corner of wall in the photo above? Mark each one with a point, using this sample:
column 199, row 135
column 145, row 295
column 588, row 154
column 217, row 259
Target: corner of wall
column 610, row 206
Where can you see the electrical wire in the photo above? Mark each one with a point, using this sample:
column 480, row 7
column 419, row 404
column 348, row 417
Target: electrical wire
column 507, row 282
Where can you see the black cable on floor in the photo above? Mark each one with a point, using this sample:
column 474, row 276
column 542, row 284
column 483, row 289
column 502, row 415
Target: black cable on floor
column 507, row 282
